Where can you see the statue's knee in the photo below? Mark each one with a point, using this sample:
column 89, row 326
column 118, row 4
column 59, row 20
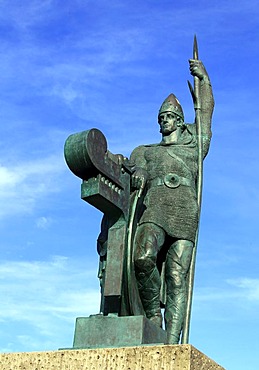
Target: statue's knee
column 145, row 252
column 145, row 262
column 148, row 239
column 145, row 255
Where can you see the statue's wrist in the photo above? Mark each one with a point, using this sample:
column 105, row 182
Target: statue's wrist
column 205, row 80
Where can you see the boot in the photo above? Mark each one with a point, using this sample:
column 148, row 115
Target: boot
column 174, row 315
column 149, row 290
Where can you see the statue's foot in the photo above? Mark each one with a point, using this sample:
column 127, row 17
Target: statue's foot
column 172, row 339
column 157, row 319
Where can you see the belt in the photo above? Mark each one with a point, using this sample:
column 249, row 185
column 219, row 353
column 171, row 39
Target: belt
column 171, row 180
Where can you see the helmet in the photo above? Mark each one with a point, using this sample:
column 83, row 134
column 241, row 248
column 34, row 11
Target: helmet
column 172, row 104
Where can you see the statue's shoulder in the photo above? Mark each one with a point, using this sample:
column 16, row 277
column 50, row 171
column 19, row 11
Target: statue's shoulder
column 152, row 145
column 189, row 134
column 142, row 148
column 191, row 128
column 137, row 156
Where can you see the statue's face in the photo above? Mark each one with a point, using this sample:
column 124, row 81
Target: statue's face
column 167, row 122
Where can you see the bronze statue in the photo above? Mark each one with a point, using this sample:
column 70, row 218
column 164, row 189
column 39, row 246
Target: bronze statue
column 169, row 172
column 151, row 206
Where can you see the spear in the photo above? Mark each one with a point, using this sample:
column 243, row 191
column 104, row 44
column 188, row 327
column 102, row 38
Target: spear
column 195, row 92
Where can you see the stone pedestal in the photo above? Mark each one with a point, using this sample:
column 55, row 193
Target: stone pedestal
column 113, row 331
column 163, row 357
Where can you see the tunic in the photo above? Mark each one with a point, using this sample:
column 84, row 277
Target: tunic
column 171, row 205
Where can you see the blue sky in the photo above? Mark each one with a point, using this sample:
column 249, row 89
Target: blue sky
column 70, row 66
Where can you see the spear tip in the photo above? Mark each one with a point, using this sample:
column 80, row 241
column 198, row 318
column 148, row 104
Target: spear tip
column 195, row 48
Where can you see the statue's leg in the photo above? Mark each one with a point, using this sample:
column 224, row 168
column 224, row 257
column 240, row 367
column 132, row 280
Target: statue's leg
column 177, row 265
column 148, row 241
column 101, row 276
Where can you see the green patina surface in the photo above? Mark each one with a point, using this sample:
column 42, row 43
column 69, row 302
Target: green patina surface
column 151, row 205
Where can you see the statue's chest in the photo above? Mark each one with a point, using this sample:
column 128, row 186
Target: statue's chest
column 162, row 159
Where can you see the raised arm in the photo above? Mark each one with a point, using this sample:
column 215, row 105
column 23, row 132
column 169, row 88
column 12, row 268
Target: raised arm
column 206, row 102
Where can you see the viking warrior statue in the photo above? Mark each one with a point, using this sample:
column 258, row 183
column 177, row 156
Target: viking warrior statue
column 151, row 206
column 167, row 228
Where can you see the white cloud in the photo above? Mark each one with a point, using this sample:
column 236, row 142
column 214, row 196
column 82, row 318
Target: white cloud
column 25, row 15
column 42, row 300
column 230, row 300
column 222, row 310
column 22, row 185
column 7, row 177
column 247, row 288
column 239, row 289
column 43, row 222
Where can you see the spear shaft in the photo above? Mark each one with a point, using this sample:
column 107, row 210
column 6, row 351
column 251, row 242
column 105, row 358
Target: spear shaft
column 190, row 283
